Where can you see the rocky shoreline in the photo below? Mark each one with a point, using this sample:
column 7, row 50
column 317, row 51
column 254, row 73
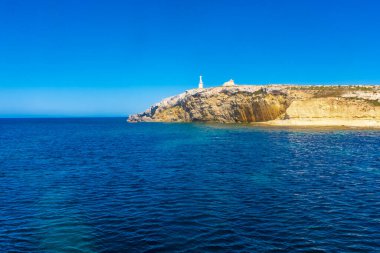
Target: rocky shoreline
column 283, row 105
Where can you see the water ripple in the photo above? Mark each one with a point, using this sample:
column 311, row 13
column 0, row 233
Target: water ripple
column 101, row 185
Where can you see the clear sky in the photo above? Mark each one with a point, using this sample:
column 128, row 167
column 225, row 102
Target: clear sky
column 113, row 58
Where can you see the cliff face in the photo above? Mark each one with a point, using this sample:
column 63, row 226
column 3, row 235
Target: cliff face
column 331, row 111
column 222, row 104
column 273, row 104
column 335, row 108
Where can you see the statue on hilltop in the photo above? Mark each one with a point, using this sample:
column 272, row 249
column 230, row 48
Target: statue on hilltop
column 200, row 85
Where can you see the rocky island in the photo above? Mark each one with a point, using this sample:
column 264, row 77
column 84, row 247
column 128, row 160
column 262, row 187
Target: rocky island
column 285, row 105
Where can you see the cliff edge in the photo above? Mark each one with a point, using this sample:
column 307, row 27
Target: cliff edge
column 271, row 104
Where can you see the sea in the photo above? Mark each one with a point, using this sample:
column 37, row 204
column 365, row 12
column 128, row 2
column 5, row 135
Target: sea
column 105, row 185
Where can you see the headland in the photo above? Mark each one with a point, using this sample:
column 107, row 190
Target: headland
column 275, row 104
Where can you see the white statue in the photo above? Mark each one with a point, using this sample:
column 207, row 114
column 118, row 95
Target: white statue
column 200, row 85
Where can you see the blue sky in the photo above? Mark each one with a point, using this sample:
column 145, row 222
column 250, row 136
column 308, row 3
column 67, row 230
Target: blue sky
column 113, row 58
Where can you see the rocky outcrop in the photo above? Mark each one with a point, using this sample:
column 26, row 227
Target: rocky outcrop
column 272, row 104
column 222, row 104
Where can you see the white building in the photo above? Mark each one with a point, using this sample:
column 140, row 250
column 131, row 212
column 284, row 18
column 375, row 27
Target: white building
column 229, row 83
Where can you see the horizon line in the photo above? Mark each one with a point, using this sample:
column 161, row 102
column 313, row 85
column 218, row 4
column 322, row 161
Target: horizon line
column 59, row 117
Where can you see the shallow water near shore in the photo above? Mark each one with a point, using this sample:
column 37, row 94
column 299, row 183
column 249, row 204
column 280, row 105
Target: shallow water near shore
column 103, row 185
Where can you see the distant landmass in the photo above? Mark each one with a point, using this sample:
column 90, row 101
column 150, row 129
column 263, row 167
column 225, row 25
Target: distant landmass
column 284, row 105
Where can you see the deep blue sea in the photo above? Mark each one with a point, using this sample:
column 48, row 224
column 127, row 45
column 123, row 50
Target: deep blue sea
column 103, row 185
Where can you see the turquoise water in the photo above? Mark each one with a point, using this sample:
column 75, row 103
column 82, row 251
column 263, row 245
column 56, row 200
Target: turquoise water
column 102, row 185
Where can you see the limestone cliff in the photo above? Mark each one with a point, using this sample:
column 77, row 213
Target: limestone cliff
column 272, row 104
